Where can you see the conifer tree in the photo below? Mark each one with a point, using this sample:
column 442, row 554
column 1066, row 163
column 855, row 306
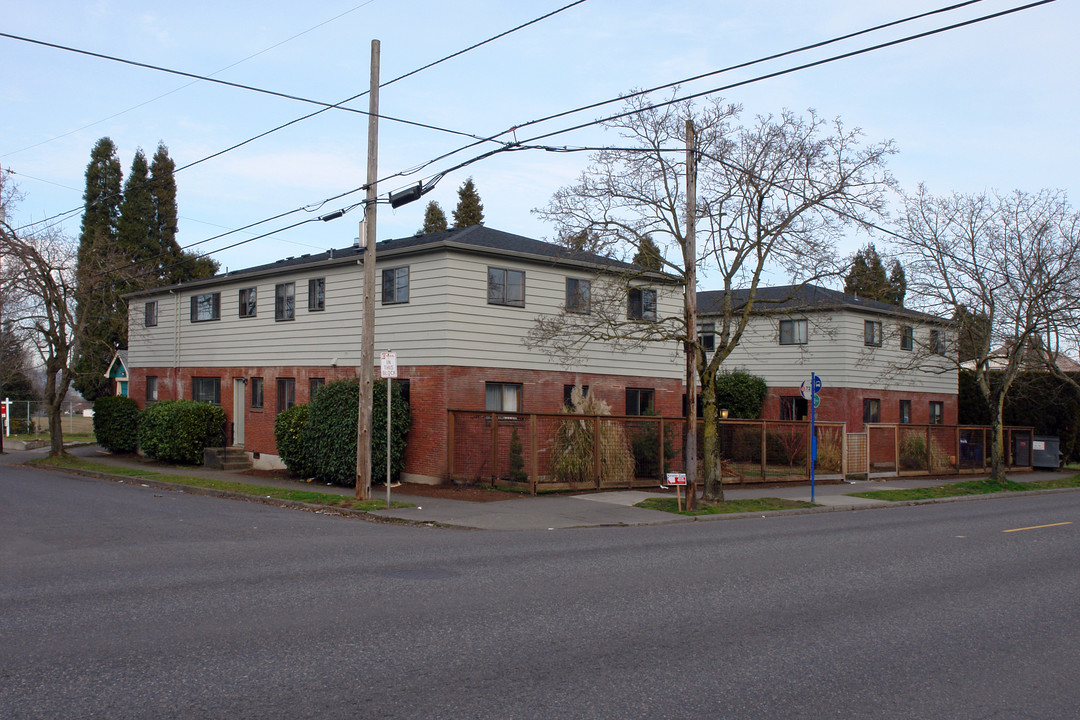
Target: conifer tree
column 469, row 210
column 434, row 219
column 135, row 237
column 868, row 279
column 163, row 225
column 648, row 255
column 174, row 264
column 96, row 294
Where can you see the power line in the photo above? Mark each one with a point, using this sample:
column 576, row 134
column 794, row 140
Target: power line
column 62, row 216
column 187, row 85
column 520, row 145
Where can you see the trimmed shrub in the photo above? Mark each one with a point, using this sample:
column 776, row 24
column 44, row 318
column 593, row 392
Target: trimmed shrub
column 741, row 393
column 116, row 424
column 176, row 431
column 330, row 433
column 289, row 438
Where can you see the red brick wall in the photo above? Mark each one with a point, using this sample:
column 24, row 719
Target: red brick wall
column 846, row 405
column 432, row 391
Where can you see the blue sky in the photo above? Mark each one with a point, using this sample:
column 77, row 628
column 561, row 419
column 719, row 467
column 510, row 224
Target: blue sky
column 988, row 106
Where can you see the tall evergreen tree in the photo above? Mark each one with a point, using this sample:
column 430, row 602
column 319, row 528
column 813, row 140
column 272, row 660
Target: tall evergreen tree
column 164, row 223
column 868, row 279
column 434, row 219
column 648, row 254
column 135, row 232
column 469, row 210
column 97, row 245
column 898, row 282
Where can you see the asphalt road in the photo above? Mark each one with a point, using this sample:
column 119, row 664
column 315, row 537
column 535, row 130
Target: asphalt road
column 118, row 601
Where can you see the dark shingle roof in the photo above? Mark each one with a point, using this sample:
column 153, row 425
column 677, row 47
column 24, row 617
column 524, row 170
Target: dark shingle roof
column 475, row 238
column 803, row 298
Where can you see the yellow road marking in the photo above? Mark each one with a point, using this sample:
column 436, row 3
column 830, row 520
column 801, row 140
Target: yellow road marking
column 1038, row 527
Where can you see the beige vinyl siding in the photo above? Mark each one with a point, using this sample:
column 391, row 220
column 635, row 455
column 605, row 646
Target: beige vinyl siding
column 490, row 335
column 447, row 321
column 835, row 351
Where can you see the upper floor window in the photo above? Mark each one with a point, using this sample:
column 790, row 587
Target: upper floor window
column 793, row 332
column 639, row 401
column 937, row 342
column 506, row 287
column 150, row 314
column 707, row 336
column 316, row 294
column 206, row 307
column 905, row 411
column 247, row 302
column 871, row 333
column 502, row 397
column 285, row 301
column 641, row 304
column 206, row 389
column 907, row 338
column 577, row 295
column 937, row 412
column 395, row 285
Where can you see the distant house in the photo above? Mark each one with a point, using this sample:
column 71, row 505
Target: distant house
column 117, row 373
column 1031, row 362
column 455, row 306
column 878, row 363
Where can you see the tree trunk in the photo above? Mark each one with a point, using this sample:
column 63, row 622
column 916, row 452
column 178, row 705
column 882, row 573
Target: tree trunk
column 710, row 448
column 997, row 440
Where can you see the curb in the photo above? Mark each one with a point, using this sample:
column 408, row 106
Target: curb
column 230, row 495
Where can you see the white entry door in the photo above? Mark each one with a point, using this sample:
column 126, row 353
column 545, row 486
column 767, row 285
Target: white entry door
column 239, row 405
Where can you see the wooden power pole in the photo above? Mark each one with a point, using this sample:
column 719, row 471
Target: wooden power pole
column 367, row 329
column 690, row 301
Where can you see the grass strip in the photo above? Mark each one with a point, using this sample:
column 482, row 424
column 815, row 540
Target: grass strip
column 728, row 506
column 263, row 491
column 969, row 487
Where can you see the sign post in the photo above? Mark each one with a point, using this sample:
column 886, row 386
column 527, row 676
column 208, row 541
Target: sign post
column 815, row 387
column 678, row 480
column 5, row 414
column 388, row 366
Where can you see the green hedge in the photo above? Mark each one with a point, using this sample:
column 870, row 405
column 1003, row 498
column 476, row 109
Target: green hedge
column 289, row 439
column 116, row 424
column 329, row 438
column 176, row 431
column 741, row 393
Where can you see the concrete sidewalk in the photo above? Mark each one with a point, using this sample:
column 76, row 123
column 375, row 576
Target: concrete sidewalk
column 601, row 509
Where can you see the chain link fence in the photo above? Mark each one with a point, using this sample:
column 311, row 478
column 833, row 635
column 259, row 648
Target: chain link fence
column 30, row 417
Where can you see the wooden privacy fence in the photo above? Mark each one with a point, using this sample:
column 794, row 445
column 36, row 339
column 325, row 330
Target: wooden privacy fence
column 895, row 450
column 538, row 451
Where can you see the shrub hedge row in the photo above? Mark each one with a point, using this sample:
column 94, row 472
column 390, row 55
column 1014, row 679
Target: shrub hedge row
column 325, row 447
column 116, row 424
column 176, row 431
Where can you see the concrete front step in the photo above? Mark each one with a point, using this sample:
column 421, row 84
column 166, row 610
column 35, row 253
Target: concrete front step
column 231, row 459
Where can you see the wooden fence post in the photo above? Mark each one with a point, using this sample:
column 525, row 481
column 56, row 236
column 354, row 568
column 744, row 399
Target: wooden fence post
column 534, row 453
column 450, row 446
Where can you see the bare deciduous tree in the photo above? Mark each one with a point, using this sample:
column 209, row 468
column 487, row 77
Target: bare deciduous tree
column 1013, row 262
column 37, row 279
column 772, row 195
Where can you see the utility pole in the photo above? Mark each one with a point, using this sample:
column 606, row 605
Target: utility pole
column 367, row 330
column 690, row 302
